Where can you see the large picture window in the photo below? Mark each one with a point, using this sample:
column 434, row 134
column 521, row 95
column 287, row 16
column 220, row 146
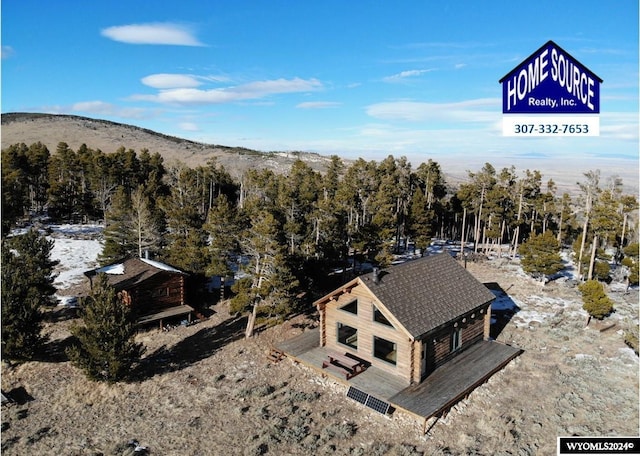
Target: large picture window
column 385, row 350
column 348, row 335
column 351, row 307
column 380, row 318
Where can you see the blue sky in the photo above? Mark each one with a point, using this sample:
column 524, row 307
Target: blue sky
column 358, row 79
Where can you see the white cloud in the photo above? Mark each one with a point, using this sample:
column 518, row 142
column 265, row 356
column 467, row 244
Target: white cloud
column 619, row 125
column 7, row 51
column 318, row 104
column 170, row 81
column 188, row 126
column 262, row 88
column 154, row 33
column 97, row 107
column 101, row 108
column 250, row 91
column 479, row 110
column 404, row 75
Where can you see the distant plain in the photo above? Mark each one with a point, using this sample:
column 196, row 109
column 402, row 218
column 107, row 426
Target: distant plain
column 109, row 136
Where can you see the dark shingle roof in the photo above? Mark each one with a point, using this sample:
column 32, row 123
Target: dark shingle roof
column 426, row 293
column 132, row 271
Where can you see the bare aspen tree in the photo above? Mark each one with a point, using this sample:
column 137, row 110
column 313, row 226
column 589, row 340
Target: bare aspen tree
column 590, row 189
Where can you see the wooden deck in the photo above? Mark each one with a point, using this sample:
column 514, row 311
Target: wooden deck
column 306, row 350
column 301, row 344
column 167, row 313
column 456, row 379
column 436, row 394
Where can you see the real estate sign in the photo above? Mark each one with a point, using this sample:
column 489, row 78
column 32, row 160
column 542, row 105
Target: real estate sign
column 550, row 93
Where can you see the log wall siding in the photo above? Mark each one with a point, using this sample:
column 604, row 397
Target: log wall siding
column 439, row 342
column 474, row 326
column 367, row 329
column 157, row 293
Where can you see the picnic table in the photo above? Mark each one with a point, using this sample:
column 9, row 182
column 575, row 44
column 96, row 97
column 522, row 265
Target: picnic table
column 345, row 364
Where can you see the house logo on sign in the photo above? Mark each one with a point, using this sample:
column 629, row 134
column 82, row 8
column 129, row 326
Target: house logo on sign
column 552, row 91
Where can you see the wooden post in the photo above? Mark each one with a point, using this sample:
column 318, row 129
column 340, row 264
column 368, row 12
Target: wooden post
column 323, row 329
column 487, row 323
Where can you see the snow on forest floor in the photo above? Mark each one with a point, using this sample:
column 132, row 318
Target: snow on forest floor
column 209, row 391
column 76, row 247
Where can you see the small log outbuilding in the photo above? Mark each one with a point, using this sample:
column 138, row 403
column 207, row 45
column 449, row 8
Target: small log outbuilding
column 407, row 320
column 154, row 290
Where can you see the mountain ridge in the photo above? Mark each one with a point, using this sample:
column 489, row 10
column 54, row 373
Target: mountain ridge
column 108, row 136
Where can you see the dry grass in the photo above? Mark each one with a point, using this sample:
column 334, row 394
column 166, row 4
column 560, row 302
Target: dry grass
column 205, row 390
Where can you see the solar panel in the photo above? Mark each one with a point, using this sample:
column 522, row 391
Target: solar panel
column 357, row 395
column 367, row 400
column 377, row 405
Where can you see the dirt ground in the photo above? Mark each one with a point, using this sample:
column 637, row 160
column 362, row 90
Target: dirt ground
column 205, row 390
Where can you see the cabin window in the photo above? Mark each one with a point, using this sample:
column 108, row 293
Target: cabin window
column 351, row 307
column 456, row 339
column 385, row 350
column 380, row 318
column 348, row 335
column 158, row 292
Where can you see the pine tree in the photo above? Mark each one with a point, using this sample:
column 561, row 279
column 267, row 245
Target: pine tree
column 273, row 283
column 105, row 348
column 119, row 234
column 223, row 233
column 27, row 287
column 540, row 255
column 631, row 261
column 282, row 287
column 420, row 225
column 473, row 196
column 38, row 159
column 185, row 237
column 14, row 185
column 595, row 300
column 65, row 190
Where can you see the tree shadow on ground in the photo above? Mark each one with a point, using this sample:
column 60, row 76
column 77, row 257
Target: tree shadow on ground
column 60, row 313
column 19, row 395
column 194, row 348
column 502, row 309
column 55, row 351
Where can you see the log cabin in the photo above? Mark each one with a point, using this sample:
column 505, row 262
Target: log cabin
column 154, row 290
column 408, row 320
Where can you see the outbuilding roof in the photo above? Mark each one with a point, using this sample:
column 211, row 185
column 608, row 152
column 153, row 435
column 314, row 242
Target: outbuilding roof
column 429, row 292
column 132, row 271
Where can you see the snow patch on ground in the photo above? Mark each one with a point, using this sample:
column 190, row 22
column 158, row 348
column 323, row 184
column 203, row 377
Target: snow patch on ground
column 76, row 247
column 583, row 356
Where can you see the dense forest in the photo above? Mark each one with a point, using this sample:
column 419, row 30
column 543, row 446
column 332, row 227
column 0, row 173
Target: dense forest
column 289, row 230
